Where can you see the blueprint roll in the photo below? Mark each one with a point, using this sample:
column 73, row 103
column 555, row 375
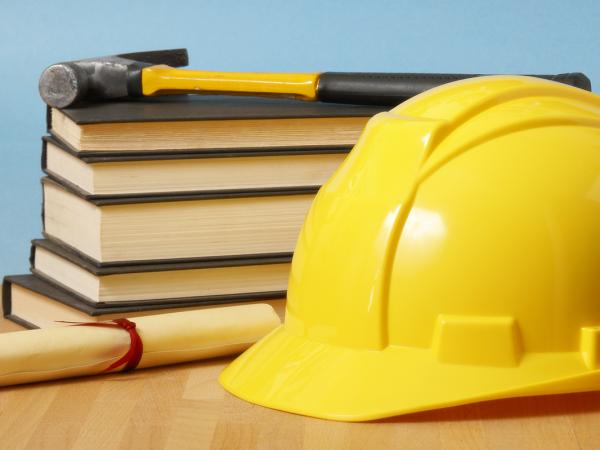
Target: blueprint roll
column 88, row 348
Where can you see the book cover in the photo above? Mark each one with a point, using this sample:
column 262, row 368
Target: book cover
column 214, row 107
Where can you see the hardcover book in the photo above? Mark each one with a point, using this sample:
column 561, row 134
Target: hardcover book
column 157, row 283
column 34, row 303
column 200, row 123
column 130, row 174
column 184, row 227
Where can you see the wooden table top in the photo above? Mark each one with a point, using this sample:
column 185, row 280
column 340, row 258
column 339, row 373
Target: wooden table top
column 183, row 407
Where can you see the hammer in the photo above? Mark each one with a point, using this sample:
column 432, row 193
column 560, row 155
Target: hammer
column 141, row 74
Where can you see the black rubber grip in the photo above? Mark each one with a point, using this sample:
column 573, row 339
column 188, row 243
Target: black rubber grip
column 394, row 88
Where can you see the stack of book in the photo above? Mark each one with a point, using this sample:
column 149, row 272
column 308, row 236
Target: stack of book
column 175, row 202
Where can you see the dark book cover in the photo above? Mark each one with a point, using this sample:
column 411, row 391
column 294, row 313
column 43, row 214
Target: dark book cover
column 61, row 295
column 213, row 107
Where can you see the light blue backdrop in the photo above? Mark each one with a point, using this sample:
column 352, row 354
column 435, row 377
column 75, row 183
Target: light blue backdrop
column 419, row 35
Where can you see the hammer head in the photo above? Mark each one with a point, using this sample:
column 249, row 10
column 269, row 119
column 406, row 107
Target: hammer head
column 106, row 77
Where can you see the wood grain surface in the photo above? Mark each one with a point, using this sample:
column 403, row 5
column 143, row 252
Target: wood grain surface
column 183, row 406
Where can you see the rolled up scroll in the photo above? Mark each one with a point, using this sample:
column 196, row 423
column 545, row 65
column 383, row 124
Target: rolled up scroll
column 60, row 352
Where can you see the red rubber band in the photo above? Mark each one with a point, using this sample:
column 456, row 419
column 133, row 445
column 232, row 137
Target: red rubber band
column 129, row 360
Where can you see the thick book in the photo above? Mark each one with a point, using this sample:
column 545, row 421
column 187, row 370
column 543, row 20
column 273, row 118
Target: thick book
column 157, row 283
column 35, row 303
column 176, row 227
column 178, row 173
column 200, row 123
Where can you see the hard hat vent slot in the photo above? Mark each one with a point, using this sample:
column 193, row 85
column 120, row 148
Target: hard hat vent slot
column 477, row 340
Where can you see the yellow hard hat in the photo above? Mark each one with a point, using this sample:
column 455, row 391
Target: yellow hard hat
column 453, row 257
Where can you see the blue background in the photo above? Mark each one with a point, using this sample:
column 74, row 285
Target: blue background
column 413, row 36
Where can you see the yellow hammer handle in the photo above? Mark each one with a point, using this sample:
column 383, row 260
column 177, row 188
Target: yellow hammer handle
column 160, row 79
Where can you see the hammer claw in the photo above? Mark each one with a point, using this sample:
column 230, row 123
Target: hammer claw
column 177, row 57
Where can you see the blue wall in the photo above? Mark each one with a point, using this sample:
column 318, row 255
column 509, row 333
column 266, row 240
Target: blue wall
column 423, row 35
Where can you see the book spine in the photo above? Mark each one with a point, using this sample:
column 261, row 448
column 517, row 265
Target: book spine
column 43, row 209
column 6, row 297
column 44, row 156
column 48, row 119
column 32, row 256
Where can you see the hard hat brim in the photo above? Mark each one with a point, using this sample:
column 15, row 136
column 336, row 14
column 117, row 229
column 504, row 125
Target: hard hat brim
column 291, row 373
